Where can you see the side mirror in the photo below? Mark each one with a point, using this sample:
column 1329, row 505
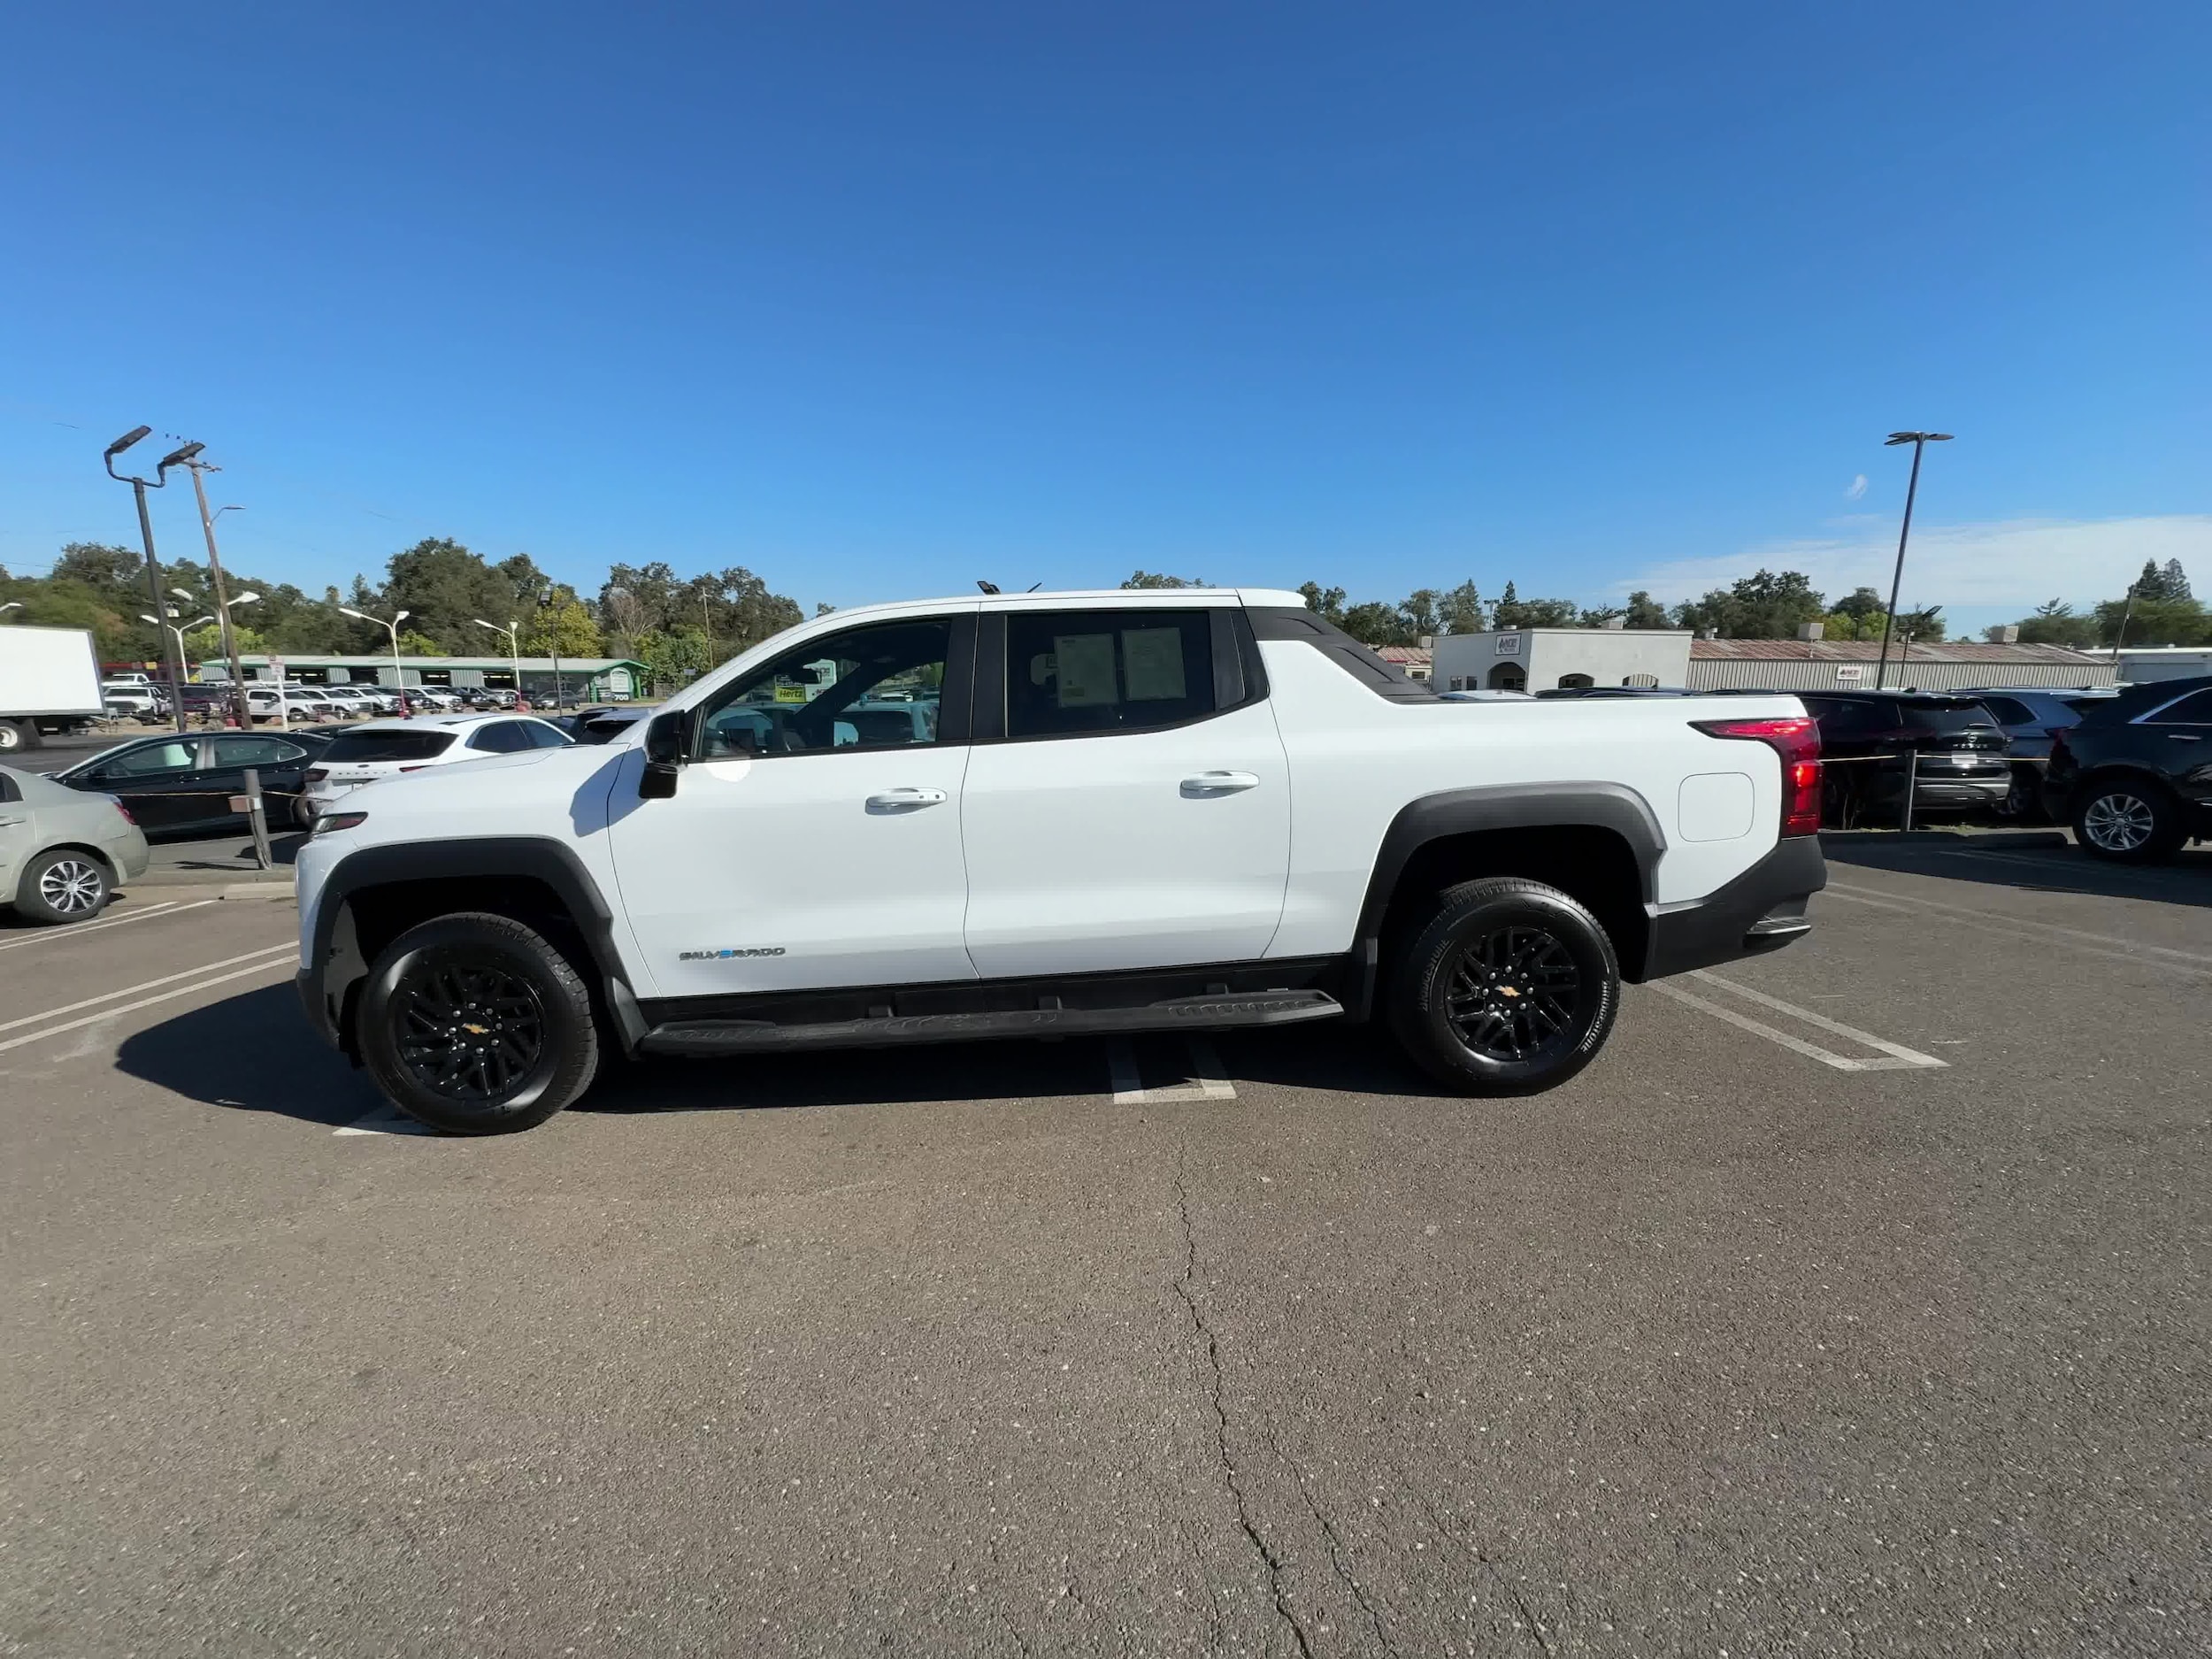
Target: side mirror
column 667, row 746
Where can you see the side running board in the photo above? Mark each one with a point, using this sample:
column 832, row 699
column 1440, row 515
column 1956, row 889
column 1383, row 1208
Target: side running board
column 1210, row 1013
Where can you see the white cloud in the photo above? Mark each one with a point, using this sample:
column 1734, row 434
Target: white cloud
column 1857, row 489
column 2013, row 562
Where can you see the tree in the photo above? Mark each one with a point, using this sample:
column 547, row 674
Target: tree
column 564, row 627
column 412, row 642
column 1600, row 616
column 1325, row 602
column 1761, row 606
column 672, row 659
column 1920, row 626
column 2154, row 622
column 2176, row 580
column 1644, row 612
column 1149, row 578
column 1375, row 623
column 1421, row 613
column 1460, row 610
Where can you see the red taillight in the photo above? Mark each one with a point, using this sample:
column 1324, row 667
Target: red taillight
column 1796, row 739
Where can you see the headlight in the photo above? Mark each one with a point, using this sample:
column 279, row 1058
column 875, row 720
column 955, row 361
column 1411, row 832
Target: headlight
column 338, row 821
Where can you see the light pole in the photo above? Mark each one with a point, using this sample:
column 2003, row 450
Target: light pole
column 161, row 622
column 188, row 457
column 241, row 715
column 514, row 655
column 399, row 674
column 552, row 641
column 1919, row 442
column 139, row 487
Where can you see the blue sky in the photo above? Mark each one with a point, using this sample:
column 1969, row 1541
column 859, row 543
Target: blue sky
column 879, row 299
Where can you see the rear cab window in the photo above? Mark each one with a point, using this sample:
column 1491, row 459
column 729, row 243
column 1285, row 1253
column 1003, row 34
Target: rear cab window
column 1106, row 670
column 360, row 749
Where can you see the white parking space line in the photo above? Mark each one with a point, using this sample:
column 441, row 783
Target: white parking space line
column 57, row 935
column 144, row 984
column 385, row 1120
column 143, row 1002
column 1889, row 1056
column 2191, row 962
column 1207, row 1081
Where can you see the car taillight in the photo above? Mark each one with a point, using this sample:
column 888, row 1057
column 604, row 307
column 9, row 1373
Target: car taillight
column 124, row 811
column 316, row 774
column 1796, row 739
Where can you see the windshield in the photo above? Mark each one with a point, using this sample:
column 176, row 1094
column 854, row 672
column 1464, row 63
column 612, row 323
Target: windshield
column 360, row 747
column 1949, row 714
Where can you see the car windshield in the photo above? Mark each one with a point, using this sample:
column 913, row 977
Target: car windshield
column 361, row 747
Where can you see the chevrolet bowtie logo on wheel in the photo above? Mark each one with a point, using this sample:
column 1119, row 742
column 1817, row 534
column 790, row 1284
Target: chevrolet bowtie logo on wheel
column 713, row 956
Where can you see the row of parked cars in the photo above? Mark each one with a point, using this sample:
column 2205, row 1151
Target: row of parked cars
column 141, row 697
column 2129, row 768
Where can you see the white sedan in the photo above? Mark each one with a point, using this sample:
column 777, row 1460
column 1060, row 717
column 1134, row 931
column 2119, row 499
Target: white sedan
column 381, row 748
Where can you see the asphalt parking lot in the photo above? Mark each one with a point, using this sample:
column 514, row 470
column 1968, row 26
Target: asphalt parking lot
column 1853, row 1302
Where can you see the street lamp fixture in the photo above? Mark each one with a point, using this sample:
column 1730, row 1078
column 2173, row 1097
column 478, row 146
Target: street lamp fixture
column 399, row 674
column 514, row 655
column 1919, row 441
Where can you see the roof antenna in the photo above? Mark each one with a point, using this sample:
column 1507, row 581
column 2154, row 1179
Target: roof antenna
column 988, row 588
column 1034, row 586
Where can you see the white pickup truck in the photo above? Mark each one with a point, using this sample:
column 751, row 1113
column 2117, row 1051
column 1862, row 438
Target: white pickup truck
column 1047, row 815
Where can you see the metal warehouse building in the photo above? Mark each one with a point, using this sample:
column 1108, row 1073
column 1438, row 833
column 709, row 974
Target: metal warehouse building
column 1842, row 665
column 594, row 678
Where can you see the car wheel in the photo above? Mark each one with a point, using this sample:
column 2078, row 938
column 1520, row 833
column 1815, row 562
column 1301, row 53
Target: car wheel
column 17, row 735
column 1509, row 988
column 2130, row 822
column 474, row 1024
column 63, row 885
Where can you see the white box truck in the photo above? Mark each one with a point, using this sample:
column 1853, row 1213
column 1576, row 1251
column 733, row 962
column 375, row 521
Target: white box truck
column 49, row 682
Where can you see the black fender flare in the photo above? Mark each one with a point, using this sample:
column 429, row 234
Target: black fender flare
column 1430, row 817
column 337, row 963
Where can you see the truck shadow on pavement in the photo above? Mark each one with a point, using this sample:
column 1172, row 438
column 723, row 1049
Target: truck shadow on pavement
column 2186, row 880
column 253, row 1052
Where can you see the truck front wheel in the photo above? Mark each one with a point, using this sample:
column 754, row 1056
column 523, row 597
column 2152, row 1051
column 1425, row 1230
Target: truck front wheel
column 474, row 1024
column 1509, row 988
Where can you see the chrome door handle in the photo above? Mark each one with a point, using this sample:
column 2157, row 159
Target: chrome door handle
column 1211, row 783
column 905, row 800
column 2183, row 737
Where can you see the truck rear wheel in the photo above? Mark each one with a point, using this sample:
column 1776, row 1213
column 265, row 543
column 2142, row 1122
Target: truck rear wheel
column 474, row 1024
column 1511, row 987
column 17, row 735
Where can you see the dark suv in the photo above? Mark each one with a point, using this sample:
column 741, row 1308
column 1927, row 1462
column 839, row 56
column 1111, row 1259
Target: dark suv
column 2134, row 777
column 1953, row 749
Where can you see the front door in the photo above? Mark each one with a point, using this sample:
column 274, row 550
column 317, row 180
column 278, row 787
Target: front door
column 1136, row 813
column 811, row 845
column 158, row 782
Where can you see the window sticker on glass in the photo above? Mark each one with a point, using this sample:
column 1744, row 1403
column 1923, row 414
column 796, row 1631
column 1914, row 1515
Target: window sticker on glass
column 1086, row 664
column 791, row 694
column 1153, row 660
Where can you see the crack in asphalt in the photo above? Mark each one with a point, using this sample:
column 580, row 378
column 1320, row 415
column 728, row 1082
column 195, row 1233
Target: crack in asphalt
column 1274, row 1562
column 1336, row 1547
column 1496, row 1570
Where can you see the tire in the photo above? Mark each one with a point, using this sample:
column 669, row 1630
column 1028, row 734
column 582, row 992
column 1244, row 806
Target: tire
column 62, row 886
column 2129, row 822
column 416, row 1037
column 18, row 735
column 1497, row 960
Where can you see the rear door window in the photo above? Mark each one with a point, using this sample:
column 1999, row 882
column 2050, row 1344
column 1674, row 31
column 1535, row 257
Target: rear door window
column 2193, row 710
column 155, row 760
column 501, row 737
column 2009, row 710
column 1072, row 672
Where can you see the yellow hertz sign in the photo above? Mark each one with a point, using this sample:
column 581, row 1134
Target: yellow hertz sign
column 790, row 694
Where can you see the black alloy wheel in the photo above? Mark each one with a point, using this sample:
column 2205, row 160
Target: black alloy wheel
column 475, row 1023
column 1513, row 995
column 1510, row 988
column 471, row 1031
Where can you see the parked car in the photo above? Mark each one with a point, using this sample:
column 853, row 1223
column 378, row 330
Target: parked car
column 384, row 749
column 2030, row 716
column 1209, row 809
column 603, row 727
column 129, row 700
column 1870, row 739
column 296, row 705
column 62, row 853
column 1479, row 694
column 2133, row 775
column 182, row 785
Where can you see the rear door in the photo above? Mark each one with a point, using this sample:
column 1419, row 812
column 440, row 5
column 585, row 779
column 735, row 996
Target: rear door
column 2180, row 745
column 1130, row 806
column 158, row 781
column 281, row 766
